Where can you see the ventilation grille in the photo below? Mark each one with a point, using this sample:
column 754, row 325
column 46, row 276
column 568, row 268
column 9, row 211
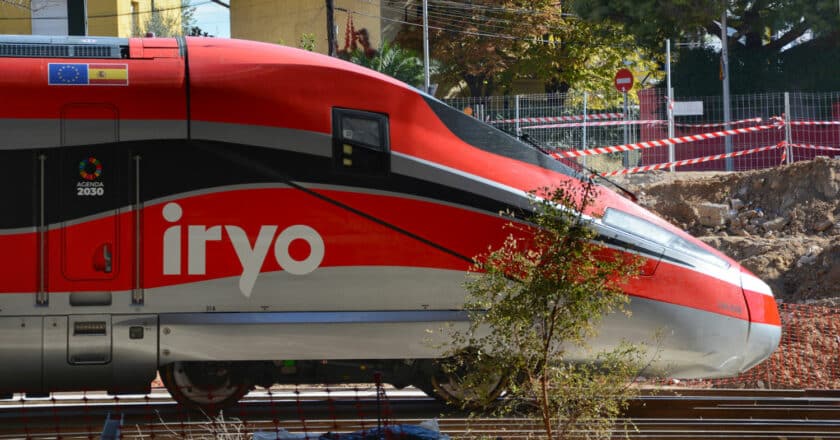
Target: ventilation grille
column 59, row 51
column 96, row 51
column 33, row 50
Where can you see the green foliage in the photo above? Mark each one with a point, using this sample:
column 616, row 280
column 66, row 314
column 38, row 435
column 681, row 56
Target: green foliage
column 652, row 20
column 169, row 23
column 538, row 299
column 307, row 42
column 768, row 41
column 196, row 31
column 392, row 60
column 486, row 45
column 809, row 66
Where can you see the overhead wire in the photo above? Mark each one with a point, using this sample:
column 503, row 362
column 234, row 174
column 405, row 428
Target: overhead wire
column 474, row 6
column 448, row 24
column 471, row 13
column 497, row 24
column 450, row 27
column 474, row 13
column 461, row 31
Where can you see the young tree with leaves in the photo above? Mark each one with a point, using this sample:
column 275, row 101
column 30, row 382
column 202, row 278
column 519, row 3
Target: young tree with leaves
column 533, row 302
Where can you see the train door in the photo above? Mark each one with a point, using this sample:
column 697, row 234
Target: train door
column 88, row 197
column 87, row 260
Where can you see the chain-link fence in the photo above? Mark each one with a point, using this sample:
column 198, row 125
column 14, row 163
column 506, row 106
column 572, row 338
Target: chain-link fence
column 764, row 129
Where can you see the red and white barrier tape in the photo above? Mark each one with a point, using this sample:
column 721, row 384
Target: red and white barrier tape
column 663, row 142
column 680, row 163
column 548, row 119
column 643, row 122
column 605, row 116
column 595, row 124
column 814, row 147
column 814, row 122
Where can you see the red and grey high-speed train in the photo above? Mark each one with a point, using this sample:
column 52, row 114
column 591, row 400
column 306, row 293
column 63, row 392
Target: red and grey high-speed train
column 233, row 213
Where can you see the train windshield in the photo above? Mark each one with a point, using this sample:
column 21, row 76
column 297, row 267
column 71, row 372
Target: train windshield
column 493, row 140
column 657, row 234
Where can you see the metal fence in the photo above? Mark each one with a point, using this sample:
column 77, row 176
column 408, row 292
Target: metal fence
column 769, row 128
column 567, row 121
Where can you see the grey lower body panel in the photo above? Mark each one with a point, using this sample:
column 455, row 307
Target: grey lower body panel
column 680, row 341
column 306, row 335
column 50, row 353
column 57, row 353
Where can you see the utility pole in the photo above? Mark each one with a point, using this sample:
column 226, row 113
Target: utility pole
column 671, row 151
column 426, row 85
column 77, row 17
column 331, row 28
column 724, row 71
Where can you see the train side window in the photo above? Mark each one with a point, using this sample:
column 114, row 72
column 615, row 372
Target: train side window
column 360, row 142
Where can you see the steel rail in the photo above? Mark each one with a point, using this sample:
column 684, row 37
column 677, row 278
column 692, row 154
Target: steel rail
column 666, row 414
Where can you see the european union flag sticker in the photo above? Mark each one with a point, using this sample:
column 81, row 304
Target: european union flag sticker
column 68, row 74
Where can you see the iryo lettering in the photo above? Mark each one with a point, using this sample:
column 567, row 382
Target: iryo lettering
column 251, row 255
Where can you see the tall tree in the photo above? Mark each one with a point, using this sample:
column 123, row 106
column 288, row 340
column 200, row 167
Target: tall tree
column 487, row 44
column 767, row 39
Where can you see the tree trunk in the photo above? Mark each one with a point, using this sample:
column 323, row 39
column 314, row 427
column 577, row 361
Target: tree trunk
column 474, row 83
column 545, row 407
column 480, row 85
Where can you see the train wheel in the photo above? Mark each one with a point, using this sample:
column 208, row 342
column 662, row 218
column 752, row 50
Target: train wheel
column 449, row 386
column 206, row 387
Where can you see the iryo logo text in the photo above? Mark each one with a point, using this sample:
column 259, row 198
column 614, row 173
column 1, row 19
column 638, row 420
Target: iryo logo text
column 251, row 256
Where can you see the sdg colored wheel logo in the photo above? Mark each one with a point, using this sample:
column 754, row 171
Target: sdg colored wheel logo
column 90, row 169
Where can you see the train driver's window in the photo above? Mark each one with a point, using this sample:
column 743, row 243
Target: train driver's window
column 360, row 142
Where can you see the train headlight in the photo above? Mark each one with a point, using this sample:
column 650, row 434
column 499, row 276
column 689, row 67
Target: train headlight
column 648, row 231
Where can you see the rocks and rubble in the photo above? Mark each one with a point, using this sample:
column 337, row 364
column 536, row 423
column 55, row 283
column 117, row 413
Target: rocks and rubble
column 780, row 223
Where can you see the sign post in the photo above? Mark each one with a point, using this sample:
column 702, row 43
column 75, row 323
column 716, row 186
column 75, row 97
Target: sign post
column 623, row 83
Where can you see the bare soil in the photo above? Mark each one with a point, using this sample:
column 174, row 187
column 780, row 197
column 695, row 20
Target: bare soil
column 780, row 223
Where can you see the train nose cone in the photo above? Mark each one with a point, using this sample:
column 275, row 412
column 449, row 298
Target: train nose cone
column 765, row 325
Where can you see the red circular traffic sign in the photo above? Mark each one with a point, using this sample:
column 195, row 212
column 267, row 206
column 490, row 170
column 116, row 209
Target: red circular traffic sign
column 623, row 80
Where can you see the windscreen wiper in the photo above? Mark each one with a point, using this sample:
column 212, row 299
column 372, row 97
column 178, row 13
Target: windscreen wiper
column 527, row 139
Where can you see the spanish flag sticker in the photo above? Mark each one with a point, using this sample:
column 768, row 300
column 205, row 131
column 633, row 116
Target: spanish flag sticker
column 108, row 74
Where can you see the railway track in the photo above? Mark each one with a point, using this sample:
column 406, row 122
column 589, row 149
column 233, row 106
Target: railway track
column 742, row 414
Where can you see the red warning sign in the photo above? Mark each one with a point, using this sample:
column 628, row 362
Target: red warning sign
column 623, row 80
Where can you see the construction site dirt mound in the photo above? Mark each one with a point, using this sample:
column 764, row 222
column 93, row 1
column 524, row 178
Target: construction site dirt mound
column 780, row 223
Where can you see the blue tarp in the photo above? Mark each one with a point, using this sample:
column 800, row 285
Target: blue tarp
column 397, row 432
